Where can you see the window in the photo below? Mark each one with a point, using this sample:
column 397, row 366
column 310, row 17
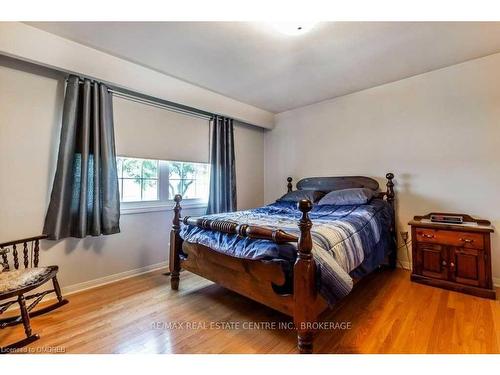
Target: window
column 138, row 179
column 191, row 180
column 153, row 183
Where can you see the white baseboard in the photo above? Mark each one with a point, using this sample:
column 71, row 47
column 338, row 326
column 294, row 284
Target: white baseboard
column 80, row 287
column 404, row 264
column 86, row 285
column 496, row 282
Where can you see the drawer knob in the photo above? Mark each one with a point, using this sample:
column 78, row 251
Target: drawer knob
column 428, row 235
column 466, row 240
column 444, row 263
column 452, row 265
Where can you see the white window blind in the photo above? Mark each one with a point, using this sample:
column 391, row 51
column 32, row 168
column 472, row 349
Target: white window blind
column 148, row 132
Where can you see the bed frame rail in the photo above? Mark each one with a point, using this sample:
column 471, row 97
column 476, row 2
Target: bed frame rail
column 242, row 230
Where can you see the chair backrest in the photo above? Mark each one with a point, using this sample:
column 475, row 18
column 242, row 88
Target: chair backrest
column 26, row 250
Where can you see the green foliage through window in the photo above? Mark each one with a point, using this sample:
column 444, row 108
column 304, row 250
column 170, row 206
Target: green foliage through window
column 188, row 179
column 140, row 179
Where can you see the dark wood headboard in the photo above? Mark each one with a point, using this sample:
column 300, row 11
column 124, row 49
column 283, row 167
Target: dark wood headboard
column 327, row 184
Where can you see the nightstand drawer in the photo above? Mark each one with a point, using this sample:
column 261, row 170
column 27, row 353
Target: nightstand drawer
column 447, row 237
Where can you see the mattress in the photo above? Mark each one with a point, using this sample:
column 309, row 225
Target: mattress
column 348, row 241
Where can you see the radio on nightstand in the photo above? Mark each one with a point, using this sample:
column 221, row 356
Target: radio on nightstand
column 444, row 218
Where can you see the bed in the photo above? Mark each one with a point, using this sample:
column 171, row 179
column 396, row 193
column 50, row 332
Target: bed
column 297, row 258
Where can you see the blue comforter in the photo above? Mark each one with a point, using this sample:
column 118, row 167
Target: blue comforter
column 348, row 241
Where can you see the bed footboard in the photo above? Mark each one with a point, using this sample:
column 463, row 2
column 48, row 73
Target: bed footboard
column 256, row 277
column 258, row 280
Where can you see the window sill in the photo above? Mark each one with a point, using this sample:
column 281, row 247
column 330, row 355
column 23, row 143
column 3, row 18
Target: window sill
column 159, row 207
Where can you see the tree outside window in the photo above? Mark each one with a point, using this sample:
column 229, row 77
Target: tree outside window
column 158, row 180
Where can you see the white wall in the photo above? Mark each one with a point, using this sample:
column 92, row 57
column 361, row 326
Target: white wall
column 30, row 113
column 249, row 155
column 28, row 43
column 438, row 132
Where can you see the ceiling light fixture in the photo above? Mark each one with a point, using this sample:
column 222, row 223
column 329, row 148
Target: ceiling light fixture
column 293, row 28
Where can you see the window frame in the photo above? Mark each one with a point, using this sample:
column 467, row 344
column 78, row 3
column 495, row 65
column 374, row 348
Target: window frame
column 122, row 179
column 162, row 203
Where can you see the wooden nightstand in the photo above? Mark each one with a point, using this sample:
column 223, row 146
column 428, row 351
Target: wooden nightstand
column 453, row 256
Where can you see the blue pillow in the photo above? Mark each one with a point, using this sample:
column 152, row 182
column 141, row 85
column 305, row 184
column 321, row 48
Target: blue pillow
column 297, row 195
column 347, row 197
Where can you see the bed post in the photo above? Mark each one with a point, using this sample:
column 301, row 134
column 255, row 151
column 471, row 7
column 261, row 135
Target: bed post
column 304, row 282
column 393, row 256
column 175, row 244
column 289, row 185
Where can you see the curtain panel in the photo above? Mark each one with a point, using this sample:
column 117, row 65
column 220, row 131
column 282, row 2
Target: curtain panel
column 85, row 199
column 222, row 193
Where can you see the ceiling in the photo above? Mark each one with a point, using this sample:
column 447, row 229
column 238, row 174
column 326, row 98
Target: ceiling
column 253, row 63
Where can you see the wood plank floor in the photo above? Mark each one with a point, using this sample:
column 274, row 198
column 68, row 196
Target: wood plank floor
column 385, row 314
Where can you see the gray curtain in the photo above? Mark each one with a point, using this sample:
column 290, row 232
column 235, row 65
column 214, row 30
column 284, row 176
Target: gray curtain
column 222, row 196
column 85, row 199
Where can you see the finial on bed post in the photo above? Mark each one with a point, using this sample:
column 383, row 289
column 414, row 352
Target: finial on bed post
column 177, row 212
column 304, row 282
column 175, row 244
column 305, row 224
column 289, row 186
column 390, row 195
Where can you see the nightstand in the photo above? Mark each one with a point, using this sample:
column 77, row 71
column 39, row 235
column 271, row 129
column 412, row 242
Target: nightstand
column 453, row 256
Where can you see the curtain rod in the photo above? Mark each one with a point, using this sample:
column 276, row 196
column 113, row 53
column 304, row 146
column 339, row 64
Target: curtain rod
column 153, row 101
column 156, row 104
column 116, row 90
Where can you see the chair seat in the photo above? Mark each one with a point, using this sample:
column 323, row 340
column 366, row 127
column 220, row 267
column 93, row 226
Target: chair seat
column 22, row 278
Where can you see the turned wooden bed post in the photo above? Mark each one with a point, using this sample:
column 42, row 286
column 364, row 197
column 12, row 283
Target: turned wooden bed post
column 175, row 244
column 304, row 282
column 289, row 185
column 393, row 256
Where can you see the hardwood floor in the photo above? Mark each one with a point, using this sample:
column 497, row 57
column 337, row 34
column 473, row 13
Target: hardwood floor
column 387, row 314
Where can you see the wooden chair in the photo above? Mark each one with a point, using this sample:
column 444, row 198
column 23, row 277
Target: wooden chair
column 17, row 281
